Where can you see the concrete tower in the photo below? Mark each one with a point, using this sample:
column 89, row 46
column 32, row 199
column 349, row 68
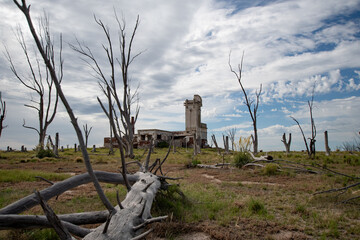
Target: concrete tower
column 193, row 113
column 193, row 124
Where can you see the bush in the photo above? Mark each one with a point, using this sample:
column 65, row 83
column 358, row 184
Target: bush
column 241, row 158
column 41, row 153
column 193, row 163
column 163, row 144
column 172, row 201
column 270, row 169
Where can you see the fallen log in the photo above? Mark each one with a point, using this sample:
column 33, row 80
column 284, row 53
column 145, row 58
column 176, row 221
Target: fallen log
column 15, row 221
column 127, row 223
column 60, row 187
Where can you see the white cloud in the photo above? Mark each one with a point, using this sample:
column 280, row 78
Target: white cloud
column 241, row 126
column 187, row 45
column 352, row 86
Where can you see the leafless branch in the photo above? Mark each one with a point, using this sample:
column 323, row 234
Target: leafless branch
column 44, row 52
column 2, row 113
column 251, row 106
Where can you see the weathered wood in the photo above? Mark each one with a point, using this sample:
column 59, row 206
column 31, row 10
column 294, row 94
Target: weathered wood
column 137, row 206
column 60, row 229
column 286, row 143
column 327, row 148
column 253, row 165
column 207, row 166
column 215, row 142
column 56, row 147
column 60, row 187
column 14, row 221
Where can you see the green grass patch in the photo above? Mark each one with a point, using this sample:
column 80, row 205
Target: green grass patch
column 34, row 234
column 17, row 175
column 255, row 206
column 270, row 169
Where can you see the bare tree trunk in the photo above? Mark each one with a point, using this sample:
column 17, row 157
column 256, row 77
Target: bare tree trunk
column 304, row 138
column 252, row 107
column 87, row 133
column 195, row 144
column 198, row 142
column 2, row 113
column 286, row 143
column 56, row 148
column 310, row 149
column 215, row 142
column 313, row 127
column 327, row 148
column 226, row 144
column 231, row 133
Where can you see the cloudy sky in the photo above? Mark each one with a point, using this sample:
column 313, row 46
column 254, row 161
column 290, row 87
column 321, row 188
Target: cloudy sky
column 290, row 48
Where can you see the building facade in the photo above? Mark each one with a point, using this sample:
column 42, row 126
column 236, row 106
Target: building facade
column 194, row 129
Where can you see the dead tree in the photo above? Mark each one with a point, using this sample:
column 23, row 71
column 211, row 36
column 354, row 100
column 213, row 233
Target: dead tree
column 310, row 149
column 121, row 109
column 2, row 114
column 286, row 143
column 56, row 147
column 231, row 133
column 195, row 145
column 250, row 103
column 87, row 133
column 124, row 221
column 215, row 142
column 327, row 148
column 39, row 80
column 226, row 144
column 313, row 127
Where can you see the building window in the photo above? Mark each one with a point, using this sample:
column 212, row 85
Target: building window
column 143, row 137
column 159, row 137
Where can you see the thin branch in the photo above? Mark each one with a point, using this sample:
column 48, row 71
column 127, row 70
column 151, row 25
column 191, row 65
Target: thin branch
column 167, row 154
column 338, row 189
column 149, row 221
column 143, row 235
column 60, row 229
column 147, row 160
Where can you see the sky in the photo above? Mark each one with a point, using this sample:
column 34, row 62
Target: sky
column 292, row 48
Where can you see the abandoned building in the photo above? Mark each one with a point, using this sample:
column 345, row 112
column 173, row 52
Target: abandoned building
column 194, row 129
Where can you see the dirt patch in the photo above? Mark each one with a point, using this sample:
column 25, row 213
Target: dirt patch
column 192, row 236
column 246, row 229
column 87, row 190
column 288, row 235
column 212, row 178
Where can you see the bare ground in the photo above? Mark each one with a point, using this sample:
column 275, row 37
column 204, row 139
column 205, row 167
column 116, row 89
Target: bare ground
column 242, row 228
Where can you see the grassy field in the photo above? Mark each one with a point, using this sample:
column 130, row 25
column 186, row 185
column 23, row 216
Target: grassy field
column 227, row 203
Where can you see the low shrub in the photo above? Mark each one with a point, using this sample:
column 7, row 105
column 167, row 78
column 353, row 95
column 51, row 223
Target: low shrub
column 41, row 153
column 79, row 159
column 163, row 144
column 241, row 158
column 193, row 163
column 172, row 201
column 270, row 169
